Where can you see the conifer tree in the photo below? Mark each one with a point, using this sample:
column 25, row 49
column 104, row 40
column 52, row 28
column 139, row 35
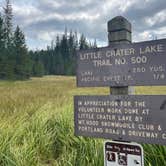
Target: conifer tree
column 8, row 23
column 95, row 44
column 1, row 33
column 23, row 63
column 83, row 44
column 2, row 50
column 59, row 59
column 9, row 59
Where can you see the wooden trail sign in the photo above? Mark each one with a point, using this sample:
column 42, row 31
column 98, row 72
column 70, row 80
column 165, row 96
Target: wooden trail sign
column 120, row 65
column 136, row 64
column 122, row 117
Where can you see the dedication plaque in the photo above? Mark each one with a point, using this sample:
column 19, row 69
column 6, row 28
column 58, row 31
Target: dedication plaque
column 125, row 118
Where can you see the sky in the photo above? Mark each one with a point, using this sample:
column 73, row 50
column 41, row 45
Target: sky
column 42, row 20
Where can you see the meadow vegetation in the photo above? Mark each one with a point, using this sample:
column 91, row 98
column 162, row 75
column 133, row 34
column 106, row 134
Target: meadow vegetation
column 37, row 125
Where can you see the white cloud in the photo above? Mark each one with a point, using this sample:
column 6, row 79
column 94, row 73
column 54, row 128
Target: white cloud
column 71, row 3
column 126, row 4
column 26, row 11
column 31, row 14
column 72, row 17
column 158, row 33
column 161, row 31
column 157, row 18
column 145, row 35
column 51, row 3
column 26, row 14
column 114, row 6
column 47, row 36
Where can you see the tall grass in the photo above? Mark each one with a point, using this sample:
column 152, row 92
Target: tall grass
column 37, row 128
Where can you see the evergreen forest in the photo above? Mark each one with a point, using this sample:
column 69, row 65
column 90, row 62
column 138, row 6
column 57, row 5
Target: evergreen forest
column 17, row 62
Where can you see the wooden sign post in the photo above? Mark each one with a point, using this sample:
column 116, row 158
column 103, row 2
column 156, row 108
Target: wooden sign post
column 119, row 32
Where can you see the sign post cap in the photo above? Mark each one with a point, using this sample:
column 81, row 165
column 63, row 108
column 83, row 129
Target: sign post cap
column 119, row 23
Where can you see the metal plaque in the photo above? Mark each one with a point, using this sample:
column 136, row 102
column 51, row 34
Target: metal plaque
column 127, row 118
column 123, row 154
column 123, row 65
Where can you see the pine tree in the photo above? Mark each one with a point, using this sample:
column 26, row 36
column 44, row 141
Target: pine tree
column 95, row 44
column 59, row 63
column 64, row 53
column 72, row 43
column 8, row 23
column 2, row 49
column 76, row 44
column 23, row 63
column 9, row 59
column 1, row 34
column 83, row 44
column 57, row 41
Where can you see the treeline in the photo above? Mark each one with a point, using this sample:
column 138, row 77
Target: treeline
column 60, row 57
column 17, row 63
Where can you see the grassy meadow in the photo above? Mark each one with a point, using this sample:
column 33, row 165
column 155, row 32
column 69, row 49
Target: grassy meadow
column 37, row 129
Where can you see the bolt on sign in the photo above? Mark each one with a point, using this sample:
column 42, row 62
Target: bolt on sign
column 123, row 154
column 141, row 118
column 120, row 65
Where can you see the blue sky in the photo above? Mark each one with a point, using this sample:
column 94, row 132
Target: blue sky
column 42, row 20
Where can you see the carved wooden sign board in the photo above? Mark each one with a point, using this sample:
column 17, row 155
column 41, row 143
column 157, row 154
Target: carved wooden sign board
column 123, row 65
